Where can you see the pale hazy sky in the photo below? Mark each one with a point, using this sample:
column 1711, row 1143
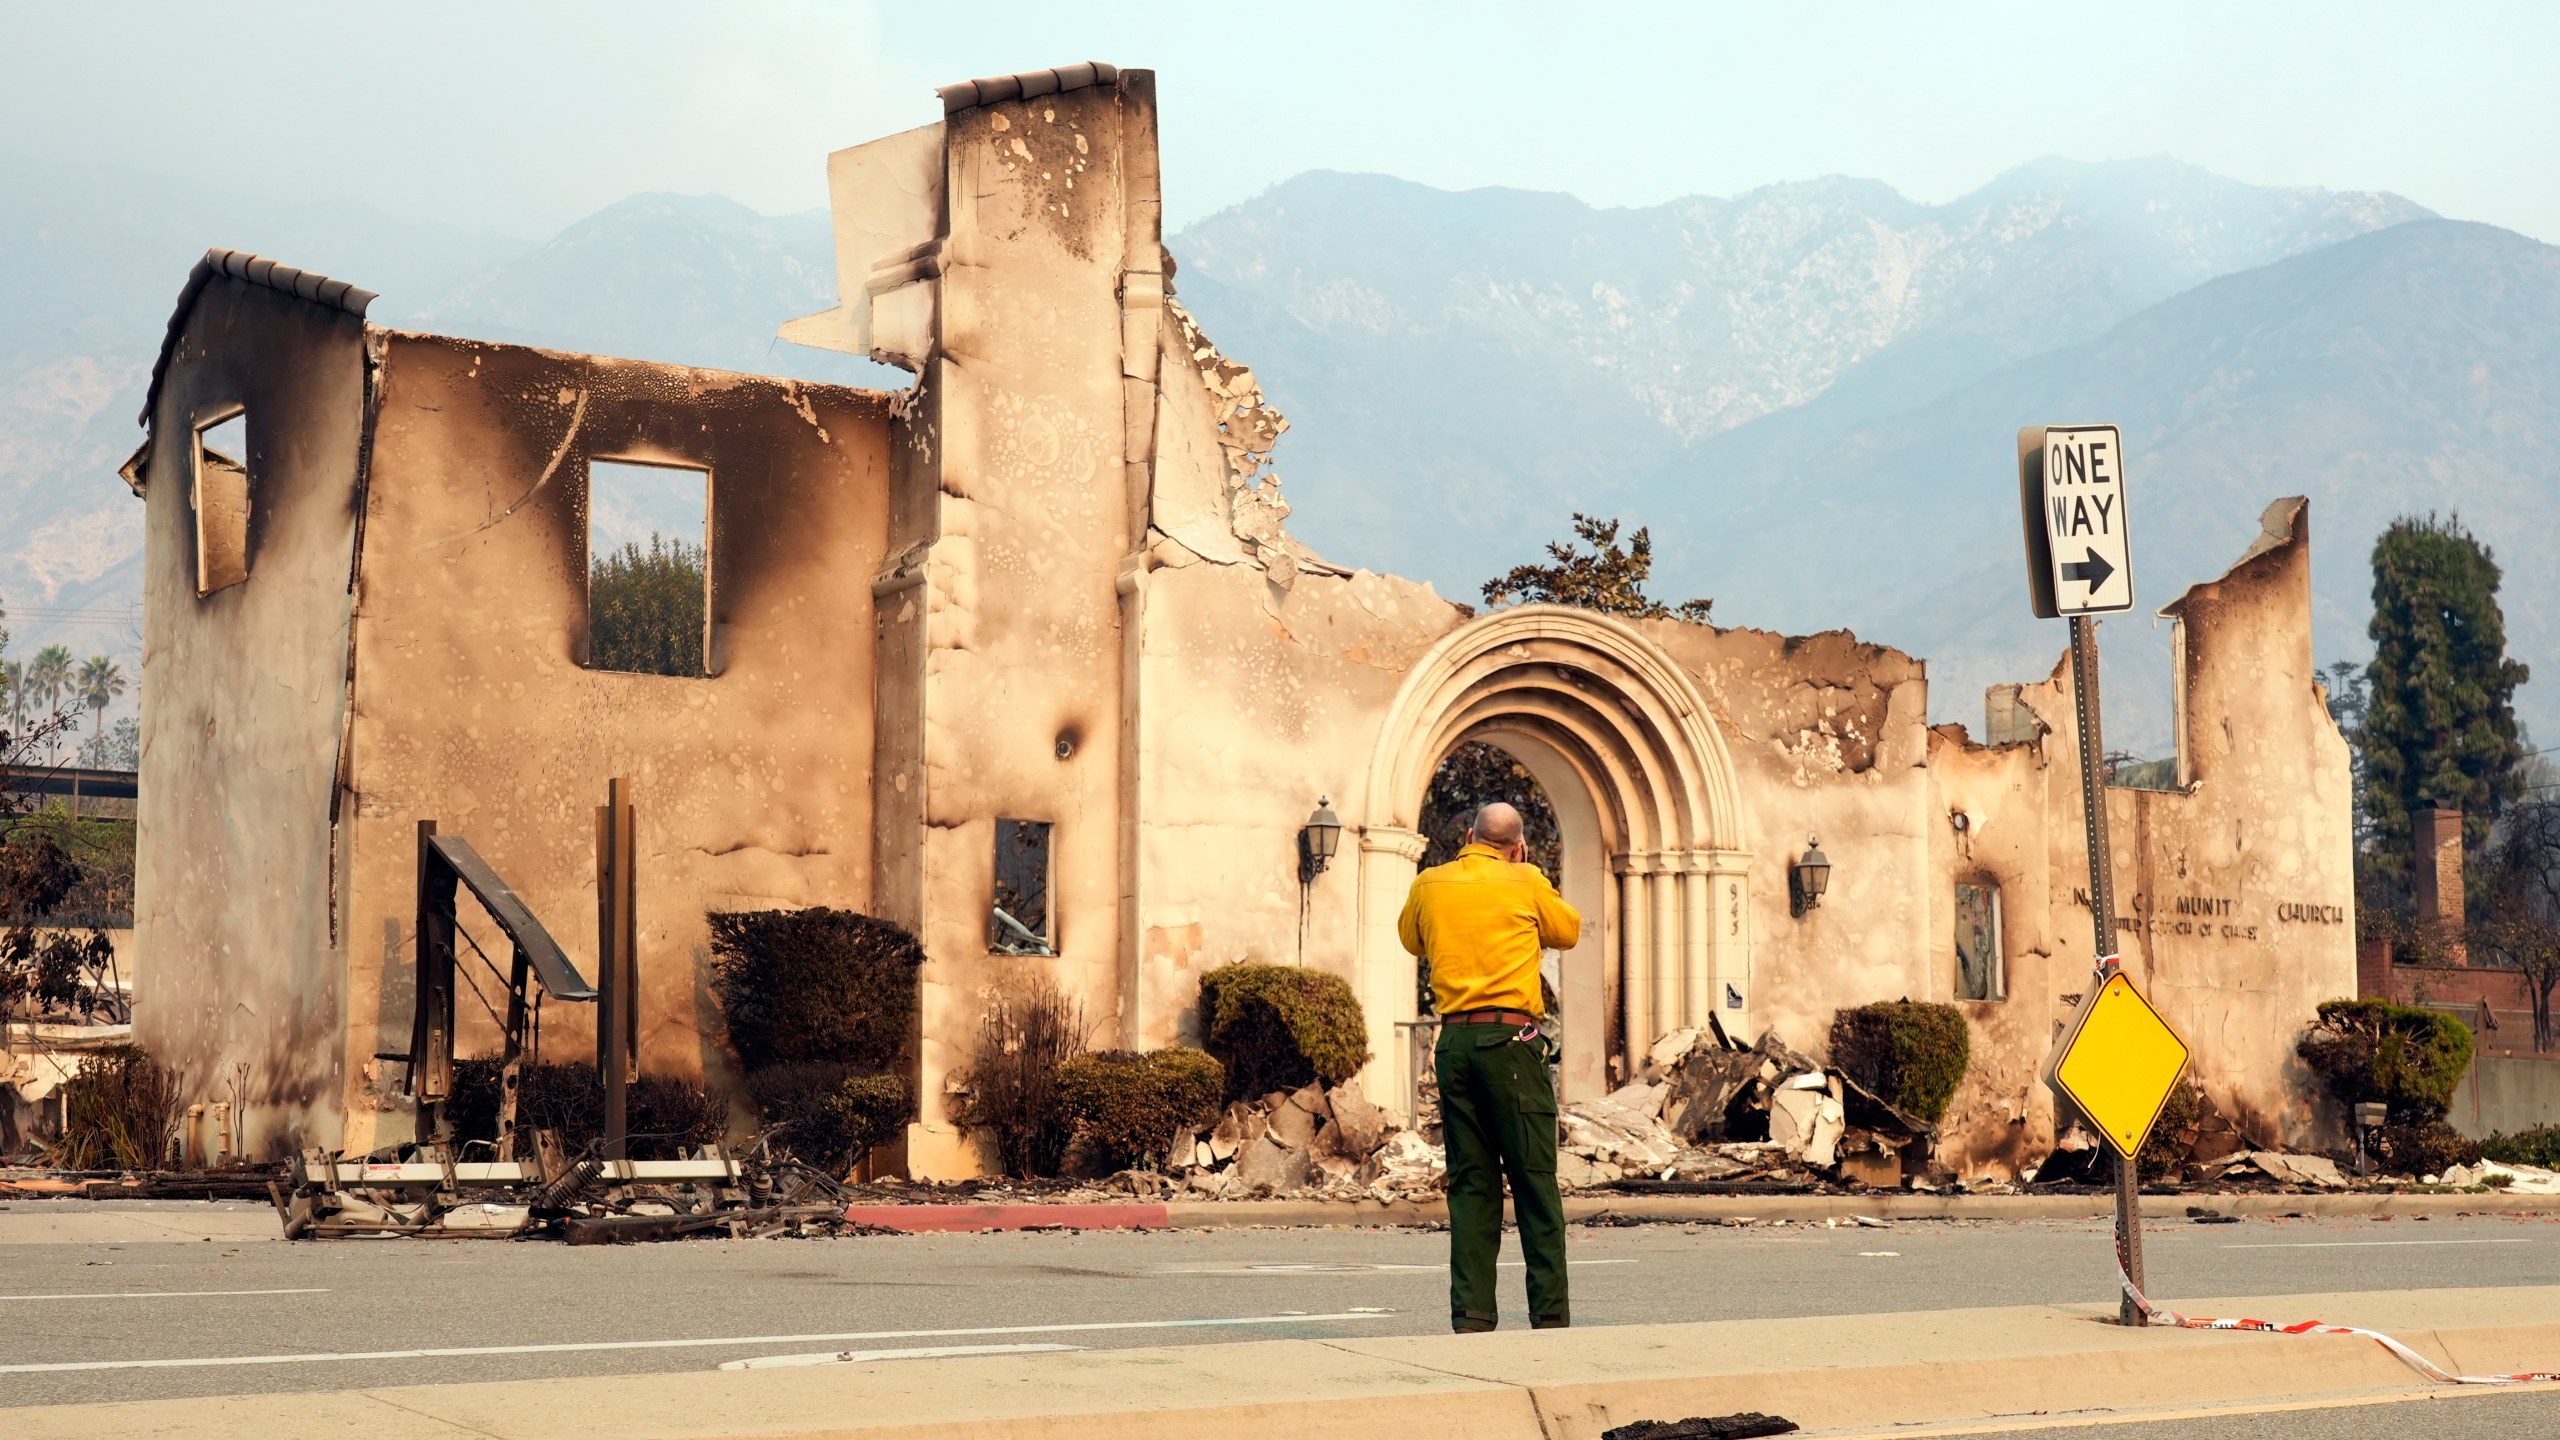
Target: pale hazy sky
column 523, row 116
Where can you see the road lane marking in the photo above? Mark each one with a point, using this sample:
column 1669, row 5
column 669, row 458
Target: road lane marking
column 447, row 1352
column 1327, row 1268
column 856, row 1357
column 159, row 1294
column 2360, row 1244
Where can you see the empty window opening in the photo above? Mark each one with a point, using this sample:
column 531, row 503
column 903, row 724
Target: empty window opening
column 1980, row 974
column 1019, row 922
column 648, row 568
column 220, row 493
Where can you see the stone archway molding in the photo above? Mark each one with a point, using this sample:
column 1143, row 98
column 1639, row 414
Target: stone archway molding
column 1640, row 734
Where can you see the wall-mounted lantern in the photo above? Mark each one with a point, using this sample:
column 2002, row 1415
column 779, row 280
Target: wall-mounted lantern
column 1317, row 840
column 1810, row 875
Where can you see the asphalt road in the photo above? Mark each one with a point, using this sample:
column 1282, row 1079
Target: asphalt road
column 164, row 1319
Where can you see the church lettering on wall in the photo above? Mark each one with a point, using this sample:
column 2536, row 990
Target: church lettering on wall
column 2205, row 916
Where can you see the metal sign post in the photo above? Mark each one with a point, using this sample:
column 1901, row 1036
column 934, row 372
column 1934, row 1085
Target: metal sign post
column 2102, row 913
column 2071, row 496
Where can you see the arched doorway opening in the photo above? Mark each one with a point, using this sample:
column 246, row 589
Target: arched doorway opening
column 1647, row 817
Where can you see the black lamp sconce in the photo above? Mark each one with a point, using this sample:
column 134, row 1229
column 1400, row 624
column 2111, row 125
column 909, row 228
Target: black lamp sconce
column 1317, row 841
column 1809, row 876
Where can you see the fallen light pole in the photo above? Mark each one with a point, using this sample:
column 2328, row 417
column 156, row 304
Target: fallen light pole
column 2118, row 1060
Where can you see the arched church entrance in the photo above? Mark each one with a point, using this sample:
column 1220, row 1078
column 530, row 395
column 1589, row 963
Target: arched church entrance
column 1644, row 799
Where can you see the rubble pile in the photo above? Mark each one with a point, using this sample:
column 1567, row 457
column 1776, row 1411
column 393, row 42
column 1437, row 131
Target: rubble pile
column 1706, row 1114
column 1333, row 1144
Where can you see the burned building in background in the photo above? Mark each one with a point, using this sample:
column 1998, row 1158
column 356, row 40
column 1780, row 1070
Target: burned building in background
column 1034, row 629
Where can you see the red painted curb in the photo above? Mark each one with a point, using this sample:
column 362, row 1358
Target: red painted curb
column 931, row 1219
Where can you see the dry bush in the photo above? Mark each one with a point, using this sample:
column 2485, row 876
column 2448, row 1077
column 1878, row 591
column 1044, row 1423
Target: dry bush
column 122, row 1113
column 826, row 1116
column 664, row 1118
column 1010, row 1090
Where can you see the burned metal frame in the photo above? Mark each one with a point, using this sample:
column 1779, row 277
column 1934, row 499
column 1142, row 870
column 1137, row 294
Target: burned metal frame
column 446, row 863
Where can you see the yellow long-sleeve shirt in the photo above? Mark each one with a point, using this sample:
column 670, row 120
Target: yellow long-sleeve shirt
column 1482, row 920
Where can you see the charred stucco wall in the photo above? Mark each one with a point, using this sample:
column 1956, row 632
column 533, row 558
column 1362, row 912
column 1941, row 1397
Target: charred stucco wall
column 1007, row 644
column 1828, row 739
column 244, row 701
column 2232, row 893
column 471, row 708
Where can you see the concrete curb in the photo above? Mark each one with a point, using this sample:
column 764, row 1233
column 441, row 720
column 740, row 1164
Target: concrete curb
column 964, row 1219
column 1726, row 1209
column 1829, row 1374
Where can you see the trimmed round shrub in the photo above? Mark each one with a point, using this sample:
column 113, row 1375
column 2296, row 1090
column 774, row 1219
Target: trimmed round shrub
column 823, row 1115
column 1276, row 1027
column 1911, row 1052
column 2407, row 1058
column 808, row 985
column 1126, row 1106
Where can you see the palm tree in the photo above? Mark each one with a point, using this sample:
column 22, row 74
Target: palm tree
column 100, row 682
column 13, row 692
column 49, row 675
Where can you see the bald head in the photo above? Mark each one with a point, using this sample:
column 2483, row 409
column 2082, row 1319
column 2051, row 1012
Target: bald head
column 1497, row 825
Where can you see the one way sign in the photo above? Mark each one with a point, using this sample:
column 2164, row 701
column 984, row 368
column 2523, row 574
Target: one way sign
column 2079, row 546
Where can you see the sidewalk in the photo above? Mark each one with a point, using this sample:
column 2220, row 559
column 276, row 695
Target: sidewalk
column 1865, row 1374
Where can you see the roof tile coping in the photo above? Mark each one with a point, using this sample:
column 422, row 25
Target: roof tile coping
column 1030, row 85
column 256, row 270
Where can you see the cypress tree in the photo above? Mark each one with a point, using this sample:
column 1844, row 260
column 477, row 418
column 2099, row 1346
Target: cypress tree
column 2441, row 727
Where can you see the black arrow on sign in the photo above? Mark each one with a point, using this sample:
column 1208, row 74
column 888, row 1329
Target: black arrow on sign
column 2095, row 570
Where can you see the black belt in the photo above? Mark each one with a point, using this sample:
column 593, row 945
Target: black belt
column 1488, row 1017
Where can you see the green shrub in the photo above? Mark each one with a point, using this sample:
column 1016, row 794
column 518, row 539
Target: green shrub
column 1126, row 1106
column 2164, row 1150
column 121, row 1112
column 804, row 985
column 1276, row 1027
column 2407, row 1058
column 1912, row 1053
column 2423, row 1147
column 2537, row 1146
column 663, row 1118
column 822, row 1114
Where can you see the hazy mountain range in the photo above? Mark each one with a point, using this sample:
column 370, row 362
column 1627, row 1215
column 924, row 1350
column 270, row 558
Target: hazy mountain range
column 1808, row 392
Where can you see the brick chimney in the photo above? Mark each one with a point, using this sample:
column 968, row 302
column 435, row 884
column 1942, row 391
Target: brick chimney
column 2436, row 857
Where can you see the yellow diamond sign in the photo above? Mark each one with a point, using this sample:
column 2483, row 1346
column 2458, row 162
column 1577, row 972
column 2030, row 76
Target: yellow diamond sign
column 2118, row 1063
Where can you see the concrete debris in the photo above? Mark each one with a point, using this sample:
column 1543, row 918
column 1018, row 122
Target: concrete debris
column 2519, row 1179
column 1407, row 1164
column 1317, row 1143
column 2284, row 1169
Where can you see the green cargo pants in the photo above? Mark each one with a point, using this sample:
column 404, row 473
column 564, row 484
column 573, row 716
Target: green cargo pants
column 1498, row 1118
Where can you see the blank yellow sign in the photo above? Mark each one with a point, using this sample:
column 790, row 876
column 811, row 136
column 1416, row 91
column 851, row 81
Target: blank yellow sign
column 2118, row 1063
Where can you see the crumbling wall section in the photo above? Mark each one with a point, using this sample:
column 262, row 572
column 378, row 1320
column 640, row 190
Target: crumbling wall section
column 2233, row 894
column 1011, row 659
column 472, row 706
column 244, row 704
column 1829, row 740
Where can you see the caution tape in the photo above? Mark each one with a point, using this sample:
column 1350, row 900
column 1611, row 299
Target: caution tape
column 2159, row 1316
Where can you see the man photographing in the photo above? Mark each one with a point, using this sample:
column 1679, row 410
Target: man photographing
column 1482, row 919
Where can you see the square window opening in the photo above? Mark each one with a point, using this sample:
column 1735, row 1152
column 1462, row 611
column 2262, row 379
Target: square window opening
column 219, row 491
column 648, row 568
column 1019, row 920
column 1981, row 974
